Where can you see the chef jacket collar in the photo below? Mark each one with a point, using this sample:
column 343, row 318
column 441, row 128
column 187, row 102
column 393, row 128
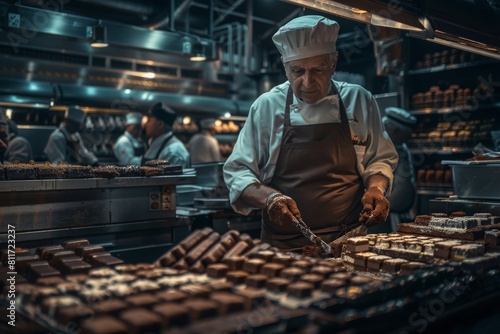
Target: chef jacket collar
column 299, row 105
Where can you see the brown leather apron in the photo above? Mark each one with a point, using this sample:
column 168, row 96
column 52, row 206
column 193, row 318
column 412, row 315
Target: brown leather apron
column 317, row 167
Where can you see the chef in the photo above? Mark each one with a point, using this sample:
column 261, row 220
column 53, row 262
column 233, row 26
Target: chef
column 203, row 146
column 311, row 148
column 65, row 143
column 129, row 147
column 163, row 144
column 400, row 125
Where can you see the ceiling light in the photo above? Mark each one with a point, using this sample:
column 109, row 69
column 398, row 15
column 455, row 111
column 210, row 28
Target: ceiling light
column 198, row 52
column 99, row 37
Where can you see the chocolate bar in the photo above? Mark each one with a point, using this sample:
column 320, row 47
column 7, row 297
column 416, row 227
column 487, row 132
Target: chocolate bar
column 462, row 252
column 195, row 238
column 331, row 285
column 74, row 314
column 196, row 253
column 277, row 284
column 140, row 320
column 240, row 248
column 292, row 273
column 74, row 244
column 195, row 290
column 314, row 279
column 235, row 262
column 201, row 308
column 442, row 249
column 392, row 266
column 237, row 276
column 104, row 325
column 272, row 269
column 253, row 265
column 214, row 254
column 256, row 280
column 303, row 264
column 374, row 263
column 300, row 289
column 112, row 306
column 228, row 302
column 172, row 296
column 253, row 297
column 217, row 270
column 142, row 300
column 83, row 251
column 356, row 245
column 42, row 252
column 172, row 314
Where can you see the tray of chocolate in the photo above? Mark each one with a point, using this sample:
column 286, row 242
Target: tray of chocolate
column 230, row 282
column 33, row 171
column 456, row 226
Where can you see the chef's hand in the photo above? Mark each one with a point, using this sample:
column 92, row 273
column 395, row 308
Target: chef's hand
column 375, row 207
column 282, row 210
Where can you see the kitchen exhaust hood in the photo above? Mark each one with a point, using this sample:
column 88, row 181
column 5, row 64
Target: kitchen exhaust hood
column 21, row 23
column 469, row 25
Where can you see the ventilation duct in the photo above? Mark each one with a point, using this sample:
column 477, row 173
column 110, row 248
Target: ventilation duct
column 470, row 25
column 132, row 12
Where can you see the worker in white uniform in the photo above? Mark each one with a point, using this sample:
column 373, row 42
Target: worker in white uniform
column 65, row 143
column 400, row 125
column 129, row 148
column 203, row 146
column 311, row 148
column 19, row 148
column 4, row 134
column 163, row 144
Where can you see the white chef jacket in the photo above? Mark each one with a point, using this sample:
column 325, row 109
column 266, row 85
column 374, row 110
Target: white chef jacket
column 173, row 151
column 203, row 148
column 124, row 149
column 257, row 148
column 19, row 149
column 56, row 147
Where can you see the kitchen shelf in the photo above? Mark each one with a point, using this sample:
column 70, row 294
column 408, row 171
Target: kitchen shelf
column 435, row 190
column 444, row 150
column 445, row 67
column 448, row 110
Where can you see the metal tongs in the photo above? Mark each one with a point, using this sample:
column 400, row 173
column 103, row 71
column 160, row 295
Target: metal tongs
column 306, row 231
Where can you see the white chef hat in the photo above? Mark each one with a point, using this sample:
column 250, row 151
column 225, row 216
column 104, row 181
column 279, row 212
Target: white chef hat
column 133, row 118
column 400, row 116
column 306, row 36
column 75, row 114
column 207, row 123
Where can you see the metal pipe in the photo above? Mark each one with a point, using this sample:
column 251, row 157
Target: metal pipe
column 249, row 33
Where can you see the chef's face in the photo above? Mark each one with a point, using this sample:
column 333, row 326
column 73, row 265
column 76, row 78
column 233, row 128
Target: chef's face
column 135, row 130
column 310, row 78
column 154, row 127
column 72, row 126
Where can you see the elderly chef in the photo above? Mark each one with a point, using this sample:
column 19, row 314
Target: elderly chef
column 311, row 147
column 163, row 144
column 129, row 147
column 65, row 143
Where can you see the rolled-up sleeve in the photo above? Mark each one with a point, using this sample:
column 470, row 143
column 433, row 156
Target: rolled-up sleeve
column 256, row 150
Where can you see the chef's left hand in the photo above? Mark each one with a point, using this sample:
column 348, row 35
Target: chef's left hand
column 375, row 207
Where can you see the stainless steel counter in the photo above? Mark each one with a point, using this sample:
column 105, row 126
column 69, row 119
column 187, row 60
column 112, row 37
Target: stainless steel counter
column 33, row 205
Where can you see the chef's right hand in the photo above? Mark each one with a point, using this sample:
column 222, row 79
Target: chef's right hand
column 282, row 210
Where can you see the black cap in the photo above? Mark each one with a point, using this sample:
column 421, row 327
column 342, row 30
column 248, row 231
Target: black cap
column 163, row 113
